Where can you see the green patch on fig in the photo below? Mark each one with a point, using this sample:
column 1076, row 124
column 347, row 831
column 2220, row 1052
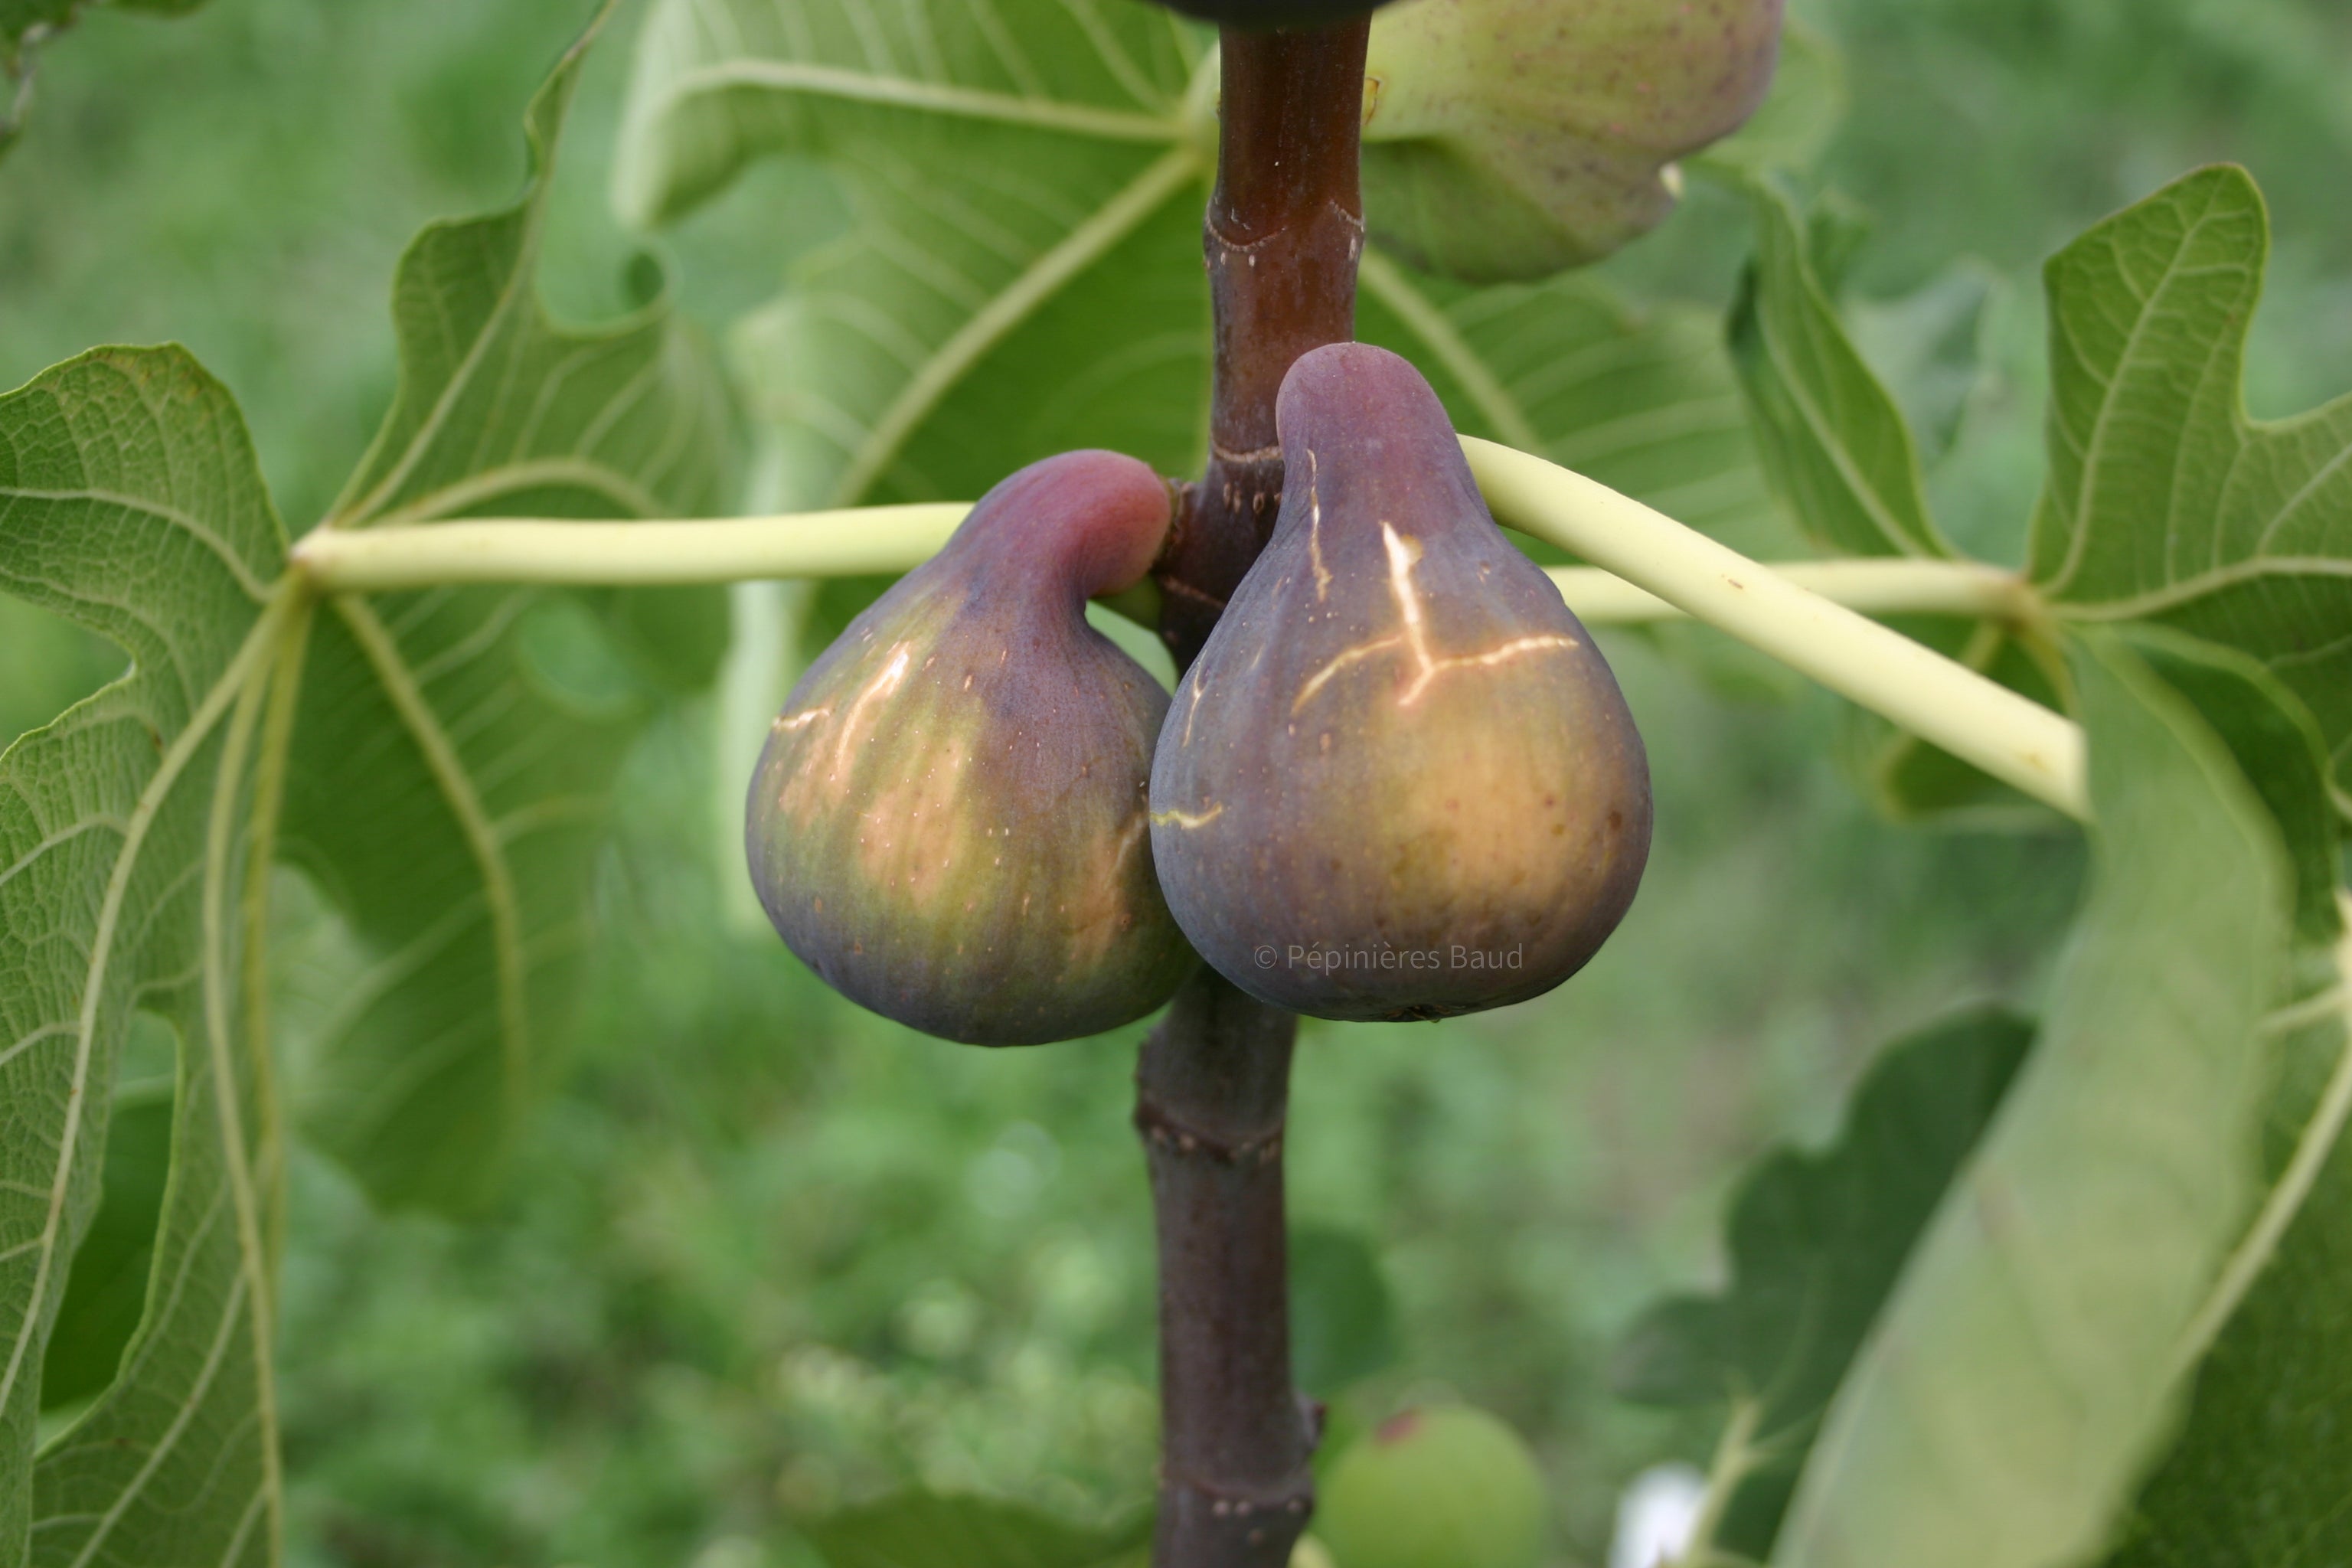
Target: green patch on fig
column 1399, row 782
column 1514, row 139
column 1445, row 1487
column 949, row 820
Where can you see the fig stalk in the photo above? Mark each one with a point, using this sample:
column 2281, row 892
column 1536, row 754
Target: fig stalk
column 1211, row 1092
column 1284, row 232
column 1283, row 235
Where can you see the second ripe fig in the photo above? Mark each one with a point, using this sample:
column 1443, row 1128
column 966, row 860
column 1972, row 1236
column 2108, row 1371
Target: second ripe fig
column 1399, row 782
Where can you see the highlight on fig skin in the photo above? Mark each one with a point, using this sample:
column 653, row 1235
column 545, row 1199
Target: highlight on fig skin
column 949, row 820
column 1399, row 782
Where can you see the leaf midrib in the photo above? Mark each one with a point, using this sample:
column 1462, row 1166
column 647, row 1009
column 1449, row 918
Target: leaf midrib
column 148, row 805
column 2173, row 596
column 217, row 989
column 1428, row 320
column 251, row 1295
column 2087, row 491
column 238, row 568
column 2314, row 1146
column 1019, row 300
column 455, row 785
column 935, row 98
column 359, row 512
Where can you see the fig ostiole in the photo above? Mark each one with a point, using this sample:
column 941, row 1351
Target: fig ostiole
column 948, row 821
column 1399, row 782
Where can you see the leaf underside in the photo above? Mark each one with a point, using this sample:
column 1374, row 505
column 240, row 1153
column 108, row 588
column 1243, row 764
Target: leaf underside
column 1817, row 1242
column 2118, row 1117
column 436, row 762
column 2022, row 1371
column 1023, row 273
column 2165, row 503
column 449, row 783
column 1021, row 277
column 130, row 501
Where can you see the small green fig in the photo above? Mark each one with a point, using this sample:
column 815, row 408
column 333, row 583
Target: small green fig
column 947, row 822
column 1400, row 781
column 1445, row 1487
column 1513, row 139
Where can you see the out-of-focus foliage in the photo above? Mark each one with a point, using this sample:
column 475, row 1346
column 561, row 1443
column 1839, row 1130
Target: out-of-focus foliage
column 2167, row 509
column 27, row 25
column 1816, row 1242
column 453, row 749
column 2022, row 1371
column 446, row 793
column 917, row 1528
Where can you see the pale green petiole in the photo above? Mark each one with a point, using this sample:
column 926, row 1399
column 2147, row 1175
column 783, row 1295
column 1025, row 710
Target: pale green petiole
column 2015, row 740
column 1646, row 567
column 845, row 544
column 1884, row 587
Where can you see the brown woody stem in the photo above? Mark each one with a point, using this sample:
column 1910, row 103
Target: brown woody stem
column 1211, row 1092
column 1284, row 228
column 1284, row 231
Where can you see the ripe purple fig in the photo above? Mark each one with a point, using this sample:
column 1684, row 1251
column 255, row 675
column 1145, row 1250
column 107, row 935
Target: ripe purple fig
column 1510, row 138
column 1399, row 782
column 947, row 823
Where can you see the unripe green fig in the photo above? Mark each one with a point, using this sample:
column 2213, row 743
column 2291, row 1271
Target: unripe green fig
column 1513, row 139
column 1400, row 781
column 1444, row 1487
column 947, row 822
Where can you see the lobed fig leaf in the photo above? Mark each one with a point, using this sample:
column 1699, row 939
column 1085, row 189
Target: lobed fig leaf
column 1444, row 1487
column 949, row 820
column 1399, row 782
column 1514, row 139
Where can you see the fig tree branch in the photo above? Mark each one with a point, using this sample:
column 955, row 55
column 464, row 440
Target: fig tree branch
column 1283, row 232
column 1211, row 1094
column 1283, row 235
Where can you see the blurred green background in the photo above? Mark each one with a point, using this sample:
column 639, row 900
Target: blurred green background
column 766, row 1255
